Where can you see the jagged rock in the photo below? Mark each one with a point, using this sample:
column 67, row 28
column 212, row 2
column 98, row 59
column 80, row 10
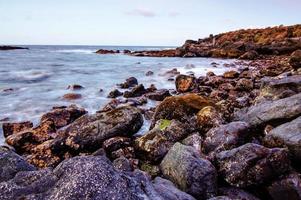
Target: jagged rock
column 244, row 84
column 275, row 112
column 13, row 128
column 116, row 143
column 226, row 137
column 287, row 187
column 193, row 174
column 287, row 135
column 185, row 83
column 105, row 51
column 252, row 164
column 62, row 116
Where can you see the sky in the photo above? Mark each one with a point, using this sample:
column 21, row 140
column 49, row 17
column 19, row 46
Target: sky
column 135, row 22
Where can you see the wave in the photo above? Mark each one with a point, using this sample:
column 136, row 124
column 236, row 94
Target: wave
column 81, row 51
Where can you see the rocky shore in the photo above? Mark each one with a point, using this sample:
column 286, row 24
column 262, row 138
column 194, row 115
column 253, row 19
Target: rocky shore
column 231, row 136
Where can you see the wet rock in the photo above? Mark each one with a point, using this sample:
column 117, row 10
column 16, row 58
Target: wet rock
column 62, row 116
column 11, row 164
column 72, row 96
column 295, row 59
column 86, row 177
column 152, row 146
column 185, row 83
column 173, row 129
column 193, row 174
column 137, row 91
column 138, row 101
column 113, row 104
column 151, row 88
column 226, row 137
column 287, row 187
column 244, row 84
column 252, row 164
column 149, row 73
column 287, row 135
column 250, row 55
column 90, row 131
column 194, row 140
column 115, row 93
column 116, row 143
column 129, row 82
column 236, row 193
column 208, row 117
column 275, row 112
column 168, row 191
column 158, row 95
column 181, row 108
column 231, row 74
column 75, row 87
column 126, row 51
column 13, row 128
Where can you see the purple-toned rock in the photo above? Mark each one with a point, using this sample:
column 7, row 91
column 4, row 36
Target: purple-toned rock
column 158, row 95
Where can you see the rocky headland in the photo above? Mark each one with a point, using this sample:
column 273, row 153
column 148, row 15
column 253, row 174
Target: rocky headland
column 231, row 136
column 6, row 48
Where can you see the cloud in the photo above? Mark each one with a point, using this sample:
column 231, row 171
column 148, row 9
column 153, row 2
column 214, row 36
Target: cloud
column 173, row 14
column 141, row 12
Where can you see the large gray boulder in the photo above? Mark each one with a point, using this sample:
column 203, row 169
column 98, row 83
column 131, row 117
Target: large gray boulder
column 185, row 167
column 90, row 131
column 252, row 164
column 287, row 135
column 88, row 177
column 274, row 112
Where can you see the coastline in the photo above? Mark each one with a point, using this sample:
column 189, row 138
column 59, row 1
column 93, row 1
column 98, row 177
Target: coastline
column 229, row 135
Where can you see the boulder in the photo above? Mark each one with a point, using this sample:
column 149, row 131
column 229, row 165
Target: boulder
column 193, row 174
column 13, row 128
column 75, row 87
column 11, row 164
column 226, row 137
column 116, row 143
column 149, row 73
column 185, row 83
column 244, row 84
column 62, row 116
column 152, row 146
column 129, row 82
column 181, row 108
column 90, row 131
column 137, row 91
column 88, row 177
column 252, row 164
column 194, row 140
column 208, row 118
column 273, row 89
column 295, row 59
column 287, row 135
column 286, row 187
column 115, row 93
column 250, row 55
column 275, row 112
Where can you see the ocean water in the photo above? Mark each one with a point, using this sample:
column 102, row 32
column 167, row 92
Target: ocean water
column 33, row 81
